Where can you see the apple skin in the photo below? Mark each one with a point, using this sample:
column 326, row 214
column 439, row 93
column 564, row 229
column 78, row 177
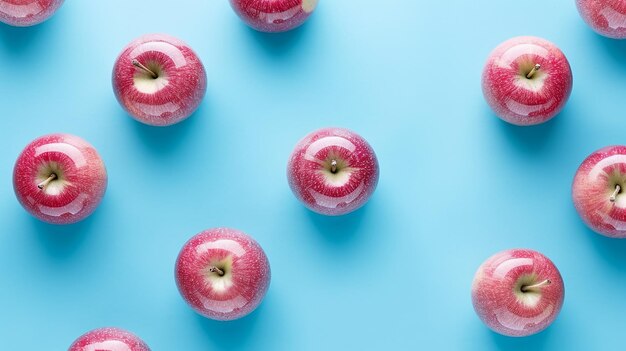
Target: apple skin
column 333, row 194
column 237, row 292
column 275, row 15
column 606, row 17
column 171, row 97
column 77, row 190
column 526, row 101
column 595, row 182
column 109, row 339
column 25, row 13
column 501, row 304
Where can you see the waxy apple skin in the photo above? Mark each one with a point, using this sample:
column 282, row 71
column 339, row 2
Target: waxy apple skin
column 243, row 284
column 595, row 186
column 606, row 17
column 109, row 339
column 518, row 99
column 501, row 303
column 176, row 92
column 274, row 15
column 24, row 13
column 79, row 184
column 317, row 187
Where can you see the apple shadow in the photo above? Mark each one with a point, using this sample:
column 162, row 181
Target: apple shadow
column 614, row 47
column 19, row 40
column 533, row 342
column 531, row 139
column 339, row 230
column 163, row 140
column 233, row 335
column 278, row 44
column 61, row 242
column 610, row 249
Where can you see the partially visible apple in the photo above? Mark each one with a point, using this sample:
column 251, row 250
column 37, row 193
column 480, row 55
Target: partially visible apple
column 274, row 15
column 599, row 191
column 159, row 80
column 606, row 17
column 223, row 274
column 24, row 13
column 527, row 80
column 109, row 339
column 59, row 178
column 333, row 171
column 518, row 292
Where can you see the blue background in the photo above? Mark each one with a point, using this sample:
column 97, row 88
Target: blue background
column 457, row 184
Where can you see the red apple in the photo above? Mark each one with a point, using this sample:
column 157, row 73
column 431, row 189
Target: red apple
column 59, row 178
column 607, row 17
column 159, row 80
column 223, row 274
column 24, row 13
column 527, row 80
column 518, row 292
column 333, row 171
column 598, row 191
column 274, row 15
column 108, row 339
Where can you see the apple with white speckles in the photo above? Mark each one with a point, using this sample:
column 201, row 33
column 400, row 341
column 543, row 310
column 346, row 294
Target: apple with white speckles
column 223, row 274
column 159, row 80
column 599, row 191
column 527, row 80
column 606, row 17
column 109, row 339
column 25, row 13
column 59, row 178
column 274, row 15
column 518, row 292
column 333, row 171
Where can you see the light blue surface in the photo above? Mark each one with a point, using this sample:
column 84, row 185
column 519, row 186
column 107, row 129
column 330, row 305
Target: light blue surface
column 456, row 186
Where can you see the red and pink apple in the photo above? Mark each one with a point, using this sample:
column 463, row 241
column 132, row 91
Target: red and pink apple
column 59, row 178
column 606, row 17
column 527, row 80
column 159, row 80
column 24, row 13
column 518, row 292
column 109, row 339
column 274, row 15
column 599, row 191
column 223, row 274
column 333, row 171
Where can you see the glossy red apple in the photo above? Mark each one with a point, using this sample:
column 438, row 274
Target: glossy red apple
column 333, row 171
column 159, row 80
column 24, row 13
column 223, row 274
column 606, row 17
column 274, row 15
column 518, row 292
column 599, row 191
column 108, row 339
column 59, row 178
column 527, row 81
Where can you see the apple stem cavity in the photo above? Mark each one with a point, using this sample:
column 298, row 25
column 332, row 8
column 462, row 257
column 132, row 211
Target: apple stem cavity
column 618, row 189
column 216, row 270
column 533, row 71
column 145, row 69
column 333, row 166
column 527, row 288
column 47, row 181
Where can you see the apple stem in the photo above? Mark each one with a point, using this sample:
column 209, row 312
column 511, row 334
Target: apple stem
column 613, row 197
column 333, row 166
column 47, row 181
column 146, row 69
column 216, row 270
column 533, row 71
column 526, row 288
